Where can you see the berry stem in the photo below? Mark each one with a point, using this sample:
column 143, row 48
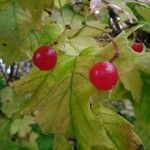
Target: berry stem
column 117, row 50
column 79, row 31
column 67, row 27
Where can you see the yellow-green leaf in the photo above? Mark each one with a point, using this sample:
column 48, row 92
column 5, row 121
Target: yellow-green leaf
column 36, row 7
column 18, row 36
column 60, row 100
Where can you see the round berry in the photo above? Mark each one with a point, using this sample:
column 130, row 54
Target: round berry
column 138, row 47
column 45, row 58
column 103, row 75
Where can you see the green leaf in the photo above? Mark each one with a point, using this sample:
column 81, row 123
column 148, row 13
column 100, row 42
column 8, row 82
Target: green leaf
column 129, row 70
column 2, row 82
column 131, row 30
column 117, row 129
column 5, row 141
column 144, row 64
column 36, row 7
column 119, row 93
column 146, row 27
column 67, row 89
column 51, row 32
column 67, row 16
column 9, row 103
column 63, row 100
column 7, row 145
column 17, row 32
column 4, row 129
column 132, row 82
column 74, row 46
column 128, row 64
column 140, row 10
column 50, row 141
column 21, row 126
column 142, row 112
column 44, row 142
column 60, row 142
column 60, row 3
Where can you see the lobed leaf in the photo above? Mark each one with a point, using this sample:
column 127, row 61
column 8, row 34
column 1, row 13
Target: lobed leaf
column 60, row 100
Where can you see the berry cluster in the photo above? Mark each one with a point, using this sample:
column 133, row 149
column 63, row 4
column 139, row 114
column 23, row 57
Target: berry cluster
column 103, row 75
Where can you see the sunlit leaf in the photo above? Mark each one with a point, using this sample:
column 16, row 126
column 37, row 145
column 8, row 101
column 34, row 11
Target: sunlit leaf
column 67, row 89
column 117, row 129
column 132, row 82
column 36, row 7
column 143, row 112
column 51, row 32
column 141, row 10
column 69, row 111
column 60, row 3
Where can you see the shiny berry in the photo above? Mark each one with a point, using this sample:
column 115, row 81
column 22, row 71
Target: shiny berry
column 138, row 47
column 45, row 58
column 103, row 75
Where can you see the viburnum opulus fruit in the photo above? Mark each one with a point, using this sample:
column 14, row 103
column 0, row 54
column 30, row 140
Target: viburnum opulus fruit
column 103, row 75
column 138, row 47
column 45, row 58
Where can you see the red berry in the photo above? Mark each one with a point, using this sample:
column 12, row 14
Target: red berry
column 45, row 58
column 138, row 47
column 103, row 75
